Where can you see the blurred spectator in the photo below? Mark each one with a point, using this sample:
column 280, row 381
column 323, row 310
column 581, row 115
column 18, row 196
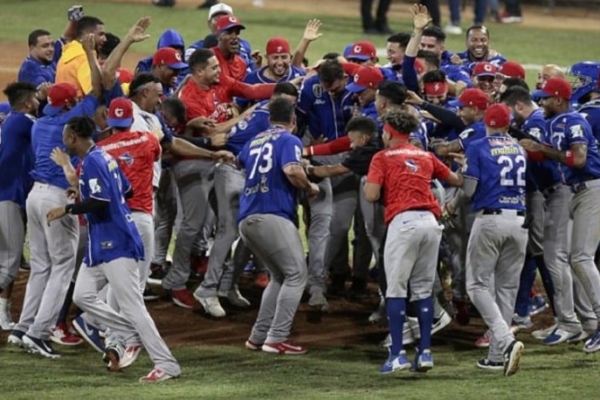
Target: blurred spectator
column 433, row 7
column 380, row 25
column 479, row 10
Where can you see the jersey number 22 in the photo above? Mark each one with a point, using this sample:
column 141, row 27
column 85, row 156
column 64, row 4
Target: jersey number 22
column 506, row 174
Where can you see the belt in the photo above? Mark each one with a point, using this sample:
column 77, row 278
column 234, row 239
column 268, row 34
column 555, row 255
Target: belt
column 499, row 211
column 548, row 191
column 581, row 186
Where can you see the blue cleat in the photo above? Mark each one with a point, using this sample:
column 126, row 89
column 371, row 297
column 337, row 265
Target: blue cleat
column 89, row 333
column 395, row 363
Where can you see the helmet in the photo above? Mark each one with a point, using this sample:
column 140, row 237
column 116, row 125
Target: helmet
column 585, row 78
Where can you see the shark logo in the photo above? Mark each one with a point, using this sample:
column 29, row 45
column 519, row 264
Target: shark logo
column 412, row 167
column 127, row 159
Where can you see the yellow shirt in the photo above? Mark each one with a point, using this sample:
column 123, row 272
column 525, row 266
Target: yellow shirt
column 74, row 68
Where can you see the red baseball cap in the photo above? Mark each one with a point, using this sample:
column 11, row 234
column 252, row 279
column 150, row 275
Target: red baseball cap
column 555, row 87
column 278, row 45
column 227, row 22
column 512, row 69
column 485, row 68
column 365, row 78
column 497, row 116
column 120, row 113
column 124, row 75
column 472, row 97
column 168, row 56
column 362, row 51
column 59, row 95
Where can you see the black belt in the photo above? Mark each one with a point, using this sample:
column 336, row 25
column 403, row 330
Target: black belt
column 491, row 211
column 548, row 191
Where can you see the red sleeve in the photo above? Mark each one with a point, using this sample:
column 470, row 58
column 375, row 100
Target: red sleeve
column 251, row 92
column 440, row 170
column 194, row 104
column 336, row 146
column 351, row 68
column 377, row 169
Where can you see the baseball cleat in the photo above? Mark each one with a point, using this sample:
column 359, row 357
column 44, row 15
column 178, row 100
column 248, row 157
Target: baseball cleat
column 156, row 375
column 235, row 298
column 395, row 363
column 112, row 357
column 211, row 305
column 39, row 346
column 6, row 322
column 537, row 304
column 441, row 322
column 317, row 299
column 425, row 361
column 583, row 335
column 541, row 334
column 512, row 357
column 484, row 341
column 593, row 343
column 61, row 335
column 130, row 355
column 285, row 347
column 560, row 336
column 486, row 364
column 89, row 333
column 182, row 298
column 16, row 338
column 250, row 345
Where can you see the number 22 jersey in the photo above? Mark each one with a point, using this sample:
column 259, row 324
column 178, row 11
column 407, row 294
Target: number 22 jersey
column 267, row 189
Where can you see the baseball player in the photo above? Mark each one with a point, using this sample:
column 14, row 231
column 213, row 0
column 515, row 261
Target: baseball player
column 478, row 49
column 228, row 29
column 580, row 169
column 53, row 260
column 169, row 38
column 40, row 65
column 115, row 248
column 404, row 173
column 546, row 72
column 274, row 175
column 16, row 160
column 494, row 170
column 586, row 92
column 228, row 183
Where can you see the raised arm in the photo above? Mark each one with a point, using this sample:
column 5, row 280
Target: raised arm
column 89, row 44
column 311, row 33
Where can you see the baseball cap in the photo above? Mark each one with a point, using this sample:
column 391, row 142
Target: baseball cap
column 361, row 51
column 59, row 95
column 228, row 22
column 278, row 45
column 554, row 87
column 485, row 68
column 497, row 116
column 471, row 97
column 366, row 77
column 4, row 110
column 120, row 113
column 220, row 8
column 168, row 56
column 124, row 75
column 512, row 69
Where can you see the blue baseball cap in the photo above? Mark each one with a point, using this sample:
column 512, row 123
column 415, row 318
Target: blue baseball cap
column 4, row 110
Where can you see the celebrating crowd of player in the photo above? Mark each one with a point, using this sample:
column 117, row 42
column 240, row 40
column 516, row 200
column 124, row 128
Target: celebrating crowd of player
column 437, row 159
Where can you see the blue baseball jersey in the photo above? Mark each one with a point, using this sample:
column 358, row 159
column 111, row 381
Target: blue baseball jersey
column 258, row 76
column 37, row 72
column 370, row 111
column 267, row 189
column 591, row 112
column 420, row 135
column 248, row 128
column 324, row 115
column 499, row 164
column 245, row 52
column 112, row 232
column 471, row 133
column 497, row 60
column 566, row 130
column 540, row 175
column 46, row 135
column 16, row 157
column 457, row 73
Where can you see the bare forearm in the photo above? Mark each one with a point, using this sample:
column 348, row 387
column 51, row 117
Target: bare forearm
column 95, row 74
column 113, row 62
column 71, row 175
column 299, row 53
column 327, row 171
column 413, row 44
column 298, row 178
column 182, row 148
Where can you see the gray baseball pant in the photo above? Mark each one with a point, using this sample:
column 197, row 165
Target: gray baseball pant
column 164, row 216
column 411, row 254
column 457, row 238
column 123, row 276
column 556, row 256
column 12, row 236
column 535, row 204
column 372, row 214
column 53, row 248
column 229, row 183
column 495, row 257
column 345, row 202
column 194, row 180
column 363, row 253
column 276, row 242
column 321, row 209
column 585, row 211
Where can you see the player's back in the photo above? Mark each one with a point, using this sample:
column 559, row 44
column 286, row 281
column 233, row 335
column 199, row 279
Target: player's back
column 248, row 128
column 16, row 156
column 499, row 164
column 112, row 232
column 267, row 189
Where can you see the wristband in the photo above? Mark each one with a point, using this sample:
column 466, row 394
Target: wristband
column 569, row 158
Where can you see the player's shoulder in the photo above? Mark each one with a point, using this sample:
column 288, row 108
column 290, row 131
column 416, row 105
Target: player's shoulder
column 296, row 72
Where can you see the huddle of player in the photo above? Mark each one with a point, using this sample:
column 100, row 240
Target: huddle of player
column 436, row 159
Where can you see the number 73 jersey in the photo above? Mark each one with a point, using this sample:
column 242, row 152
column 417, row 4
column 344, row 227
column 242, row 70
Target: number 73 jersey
column 498, row 163
column 267, row 189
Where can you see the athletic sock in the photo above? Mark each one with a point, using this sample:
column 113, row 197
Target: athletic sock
column 425, row 317
column 546, row 279
column 396, row 313
column 525, row 285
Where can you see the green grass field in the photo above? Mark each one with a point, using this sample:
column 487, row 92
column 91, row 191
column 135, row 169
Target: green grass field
column 231, row 372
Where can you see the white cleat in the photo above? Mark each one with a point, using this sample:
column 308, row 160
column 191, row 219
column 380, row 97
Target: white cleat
column 211, row 305
column 235, row 298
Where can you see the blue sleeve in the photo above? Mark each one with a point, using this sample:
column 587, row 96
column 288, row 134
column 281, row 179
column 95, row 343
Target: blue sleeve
column 113, row 93
column 58, row 46
column 289, row 151
column 306, row 97
column 458, row 74
column 538, row 131
column 29, row 73
column 577, row 131
column 409, row 74
column 168, row 132
column 96, row 178
column 243, row 155
column 86, row 108
column 472, row 168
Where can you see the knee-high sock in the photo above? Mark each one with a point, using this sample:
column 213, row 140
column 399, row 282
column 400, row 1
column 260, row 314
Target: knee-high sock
column 425, row 316
column 525, row 285
column 396, row 312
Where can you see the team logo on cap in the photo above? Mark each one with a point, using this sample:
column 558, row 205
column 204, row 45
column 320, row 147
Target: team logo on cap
column 487, row 67
column 232, row 19
column 317, row 90
column 118, row 112
column 357, row 49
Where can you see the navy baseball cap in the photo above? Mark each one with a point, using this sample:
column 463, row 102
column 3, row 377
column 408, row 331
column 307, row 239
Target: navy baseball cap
column 59, row 95
column 120, row 113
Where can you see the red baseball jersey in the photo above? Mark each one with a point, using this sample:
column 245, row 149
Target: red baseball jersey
column 405, row 173
column 135, row 153
column 212, row 102
column 235, row 68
